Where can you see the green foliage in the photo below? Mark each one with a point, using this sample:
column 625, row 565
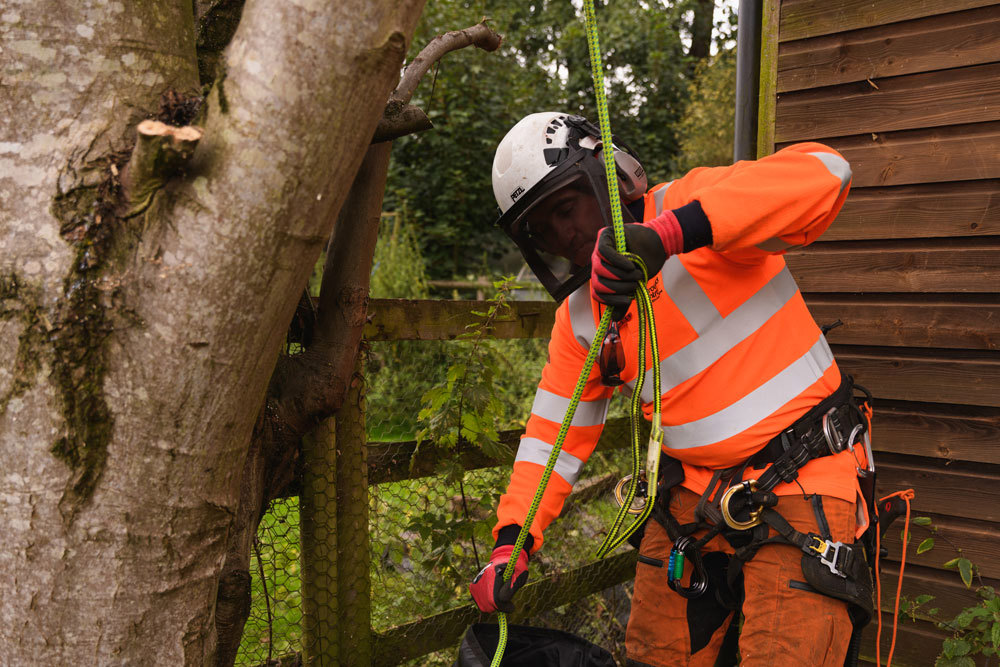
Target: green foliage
column 443, row 175
column 398, row 370
column 466, row 407
column 398, row 267
column 965, row 569
column 707, row 129
column 473, row 98
column 975, row 629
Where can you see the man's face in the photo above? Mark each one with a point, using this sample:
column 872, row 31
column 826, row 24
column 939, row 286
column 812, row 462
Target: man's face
column 566, row 223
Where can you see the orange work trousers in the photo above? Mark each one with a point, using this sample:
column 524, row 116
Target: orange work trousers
column 785, row 621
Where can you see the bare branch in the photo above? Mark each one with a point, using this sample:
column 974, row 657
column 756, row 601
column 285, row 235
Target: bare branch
column 160, row 150
column 481, row 36
column 408, row 121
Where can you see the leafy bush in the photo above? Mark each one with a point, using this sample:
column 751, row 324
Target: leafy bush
column 975, row 629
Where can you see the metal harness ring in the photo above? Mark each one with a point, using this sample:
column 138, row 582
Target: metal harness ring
column 727, row 516
column 620, row 498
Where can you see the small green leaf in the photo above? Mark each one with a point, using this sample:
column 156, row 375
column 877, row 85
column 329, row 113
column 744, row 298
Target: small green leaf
column 965, row 570
column 926, row 545
column 952, row 563
column 995, row 635
column 923, row 599
column 921, row 521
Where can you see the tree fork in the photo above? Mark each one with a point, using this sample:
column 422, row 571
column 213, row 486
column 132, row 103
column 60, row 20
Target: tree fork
column 311, row 386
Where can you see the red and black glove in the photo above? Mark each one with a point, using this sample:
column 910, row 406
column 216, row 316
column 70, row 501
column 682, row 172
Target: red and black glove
column 614, row 277
column 488, row 588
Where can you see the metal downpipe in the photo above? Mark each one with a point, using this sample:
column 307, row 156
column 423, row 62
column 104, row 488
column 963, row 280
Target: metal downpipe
column 747, row 79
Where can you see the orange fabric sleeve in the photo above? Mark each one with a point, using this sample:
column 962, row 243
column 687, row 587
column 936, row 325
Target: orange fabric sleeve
column 768, row 205
column 559, row 377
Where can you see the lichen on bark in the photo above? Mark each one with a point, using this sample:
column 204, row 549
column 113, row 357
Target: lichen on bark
column 20, row 301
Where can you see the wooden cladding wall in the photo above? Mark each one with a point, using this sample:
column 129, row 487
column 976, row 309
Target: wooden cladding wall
column 909, row 92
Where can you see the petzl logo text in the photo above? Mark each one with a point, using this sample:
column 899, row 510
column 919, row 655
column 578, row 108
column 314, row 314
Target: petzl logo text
column 516, row 193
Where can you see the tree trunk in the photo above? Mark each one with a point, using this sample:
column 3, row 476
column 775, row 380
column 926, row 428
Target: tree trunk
column 135, row 351
column 701, row 29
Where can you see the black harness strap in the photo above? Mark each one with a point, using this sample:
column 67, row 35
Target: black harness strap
column 833, row 568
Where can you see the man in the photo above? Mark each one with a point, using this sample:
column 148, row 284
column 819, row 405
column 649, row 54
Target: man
column 747, row 379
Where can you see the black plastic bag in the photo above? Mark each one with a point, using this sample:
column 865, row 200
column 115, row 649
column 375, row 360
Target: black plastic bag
column 529, row 647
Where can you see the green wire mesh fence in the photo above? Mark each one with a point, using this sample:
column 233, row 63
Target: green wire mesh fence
column 428, row 529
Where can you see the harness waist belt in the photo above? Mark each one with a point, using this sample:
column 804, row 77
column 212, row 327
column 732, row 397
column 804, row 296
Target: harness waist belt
column 831, row 426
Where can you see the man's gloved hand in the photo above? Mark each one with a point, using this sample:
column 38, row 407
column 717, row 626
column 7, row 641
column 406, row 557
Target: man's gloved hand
column 488, row 588
column 614, row 277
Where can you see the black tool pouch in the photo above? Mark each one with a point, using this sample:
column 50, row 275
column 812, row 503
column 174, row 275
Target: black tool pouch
column 856, row 588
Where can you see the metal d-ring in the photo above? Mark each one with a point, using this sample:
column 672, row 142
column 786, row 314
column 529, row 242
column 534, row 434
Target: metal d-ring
column 732, row 521
column 620, row 498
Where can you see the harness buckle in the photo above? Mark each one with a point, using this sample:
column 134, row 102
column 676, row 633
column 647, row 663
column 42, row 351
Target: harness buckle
column 747, row 486
column 831, row 431
column 822, row 549
column 638, row 501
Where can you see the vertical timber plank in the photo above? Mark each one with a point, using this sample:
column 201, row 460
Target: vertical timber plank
column 768, row 77
column 318, row 534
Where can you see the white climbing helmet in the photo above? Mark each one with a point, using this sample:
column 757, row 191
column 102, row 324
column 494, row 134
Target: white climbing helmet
column 542, row 153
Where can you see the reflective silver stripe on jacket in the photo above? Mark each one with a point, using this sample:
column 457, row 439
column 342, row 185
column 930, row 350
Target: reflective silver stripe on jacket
column 762, row 401
column 717, row 334
column 581, row 317
column 659, row 196
column 538, row 451
column 553, row 407
column 837, row 166
column 688, row 296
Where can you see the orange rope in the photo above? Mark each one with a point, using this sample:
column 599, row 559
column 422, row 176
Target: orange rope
column 907, row 496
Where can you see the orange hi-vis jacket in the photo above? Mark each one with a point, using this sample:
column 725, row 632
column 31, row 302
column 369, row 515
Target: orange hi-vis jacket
column 740, row 355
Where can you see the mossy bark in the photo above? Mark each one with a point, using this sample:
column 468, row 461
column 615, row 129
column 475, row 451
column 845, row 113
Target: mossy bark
column 143, row 347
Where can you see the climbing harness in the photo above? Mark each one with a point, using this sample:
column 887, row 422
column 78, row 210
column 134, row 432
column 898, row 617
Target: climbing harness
column 618, row 533
column 743, row 514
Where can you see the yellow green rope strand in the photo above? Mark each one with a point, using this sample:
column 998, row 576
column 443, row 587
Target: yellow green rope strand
column 645, row 318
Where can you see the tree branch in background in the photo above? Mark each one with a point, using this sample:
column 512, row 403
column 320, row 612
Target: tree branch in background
column 310, row 386
column 481, row 36
column 409, row 120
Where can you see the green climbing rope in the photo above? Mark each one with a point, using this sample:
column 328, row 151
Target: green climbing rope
column 645, row 320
